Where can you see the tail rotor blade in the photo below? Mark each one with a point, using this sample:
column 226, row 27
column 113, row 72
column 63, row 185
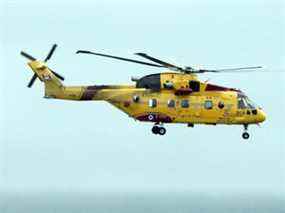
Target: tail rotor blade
column 26, row 55
column 32, row 80
column 57, row 75
column 50, row 52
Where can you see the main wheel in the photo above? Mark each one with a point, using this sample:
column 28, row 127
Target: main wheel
column 162, row 131
column 155, row 130
column 245, row 135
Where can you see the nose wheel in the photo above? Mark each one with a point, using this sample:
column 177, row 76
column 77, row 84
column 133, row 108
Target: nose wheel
column 245, row 134
column 158, row 130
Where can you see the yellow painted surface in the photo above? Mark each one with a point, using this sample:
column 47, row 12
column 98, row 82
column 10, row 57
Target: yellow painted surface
column 122, row 97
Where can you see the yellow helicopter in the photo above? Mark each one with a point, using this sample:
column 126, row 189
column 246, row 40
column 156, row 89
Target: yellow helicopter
column 176, row 96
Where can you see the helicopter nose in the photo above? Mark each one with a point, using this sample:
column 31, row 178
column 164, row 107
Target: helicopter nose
column 261, row 116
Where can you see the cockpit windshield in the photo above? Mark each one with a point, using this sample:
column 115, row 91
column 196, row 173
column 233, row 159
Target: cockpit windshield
column 245, row 103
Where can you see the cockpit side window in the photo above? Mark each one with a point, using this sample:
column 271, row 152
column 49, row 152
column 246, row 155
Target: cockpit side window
column 244, row 102
column 241, row 103
column 250, row 104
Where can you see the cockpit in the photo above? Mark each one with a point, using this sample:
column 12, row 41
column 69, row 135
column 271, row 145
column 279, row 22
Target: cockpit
column 245, row 103
column 250, row 112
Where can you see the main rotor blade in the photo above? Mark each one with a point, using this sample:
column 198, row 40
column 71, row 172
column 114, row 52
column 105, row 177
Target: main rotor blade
column 57, row 75
column 118, row 58
column 165, row 64
column 26, row 55
column 50, row 52
column 250, row 69
column 32, row 80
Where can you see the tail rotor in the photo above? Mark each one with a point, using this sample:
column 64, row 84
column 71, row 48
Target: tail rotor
column 48, row 57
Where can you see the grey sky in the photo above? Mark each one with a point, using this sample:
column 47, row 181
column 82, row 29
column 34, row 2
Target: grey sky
column 52, row 145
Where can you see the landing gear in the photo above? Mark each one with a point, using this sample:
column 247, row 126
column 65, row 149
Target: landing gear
column 245, row 134
column 155, row 129
column 158, row 130
column 162, row 131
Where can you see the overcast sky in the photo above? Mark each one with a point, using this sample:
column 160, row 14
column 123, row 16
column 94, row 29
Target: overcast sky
column 54, row 145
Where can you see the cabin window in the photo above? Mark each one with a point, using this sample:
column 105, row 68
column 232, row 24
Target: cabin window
column 221, row 105
column 185, row 103
column 194, row 85
column 136, row 98
column 152, row 103
column 171, row 103
column 208, row 104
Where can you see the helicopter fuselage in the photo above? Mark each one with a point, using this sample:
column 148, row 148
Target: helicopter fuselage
column 179, row 98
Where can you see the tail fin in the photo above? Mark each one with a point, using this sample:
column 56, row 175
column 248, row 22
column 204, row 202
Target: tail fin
column 51, row 79
column 53, row 84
